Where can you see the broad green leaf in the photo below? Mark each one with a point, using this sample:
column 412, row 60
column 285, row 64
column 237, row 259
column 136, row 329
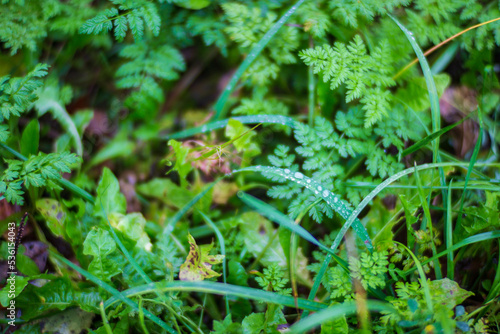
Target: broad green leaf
column 120, row 146
column 182, row 165
column 448, row 292
column 108, row 193
column 226, row 327
column 18, row 282
column 198, row 264
column 30, row 138
column 100, row 245
column 132, row 225
column 58, row 294
column 257, row 232
column 254, row 323
column 69, row 321
column 116, row 294
column 166, row 191
column 54, row 214
column 237, row 273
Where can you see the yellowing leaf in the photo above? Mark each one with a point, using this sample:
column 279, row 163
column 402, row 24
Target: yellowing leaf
column 198, row 264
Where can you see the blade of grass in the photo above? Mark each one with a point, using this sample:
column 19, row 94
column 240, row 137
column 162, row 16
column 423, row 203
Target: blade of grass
column 264, row 119
column 222, row 251
column 283, row 220
column 433, row 97
column 450, row 272
column 214, row 151
column 473, row 160
column 423, row 279
column 335, row 312
column 335, row 202
column 427, row 214
column 421, row 143
column 434, row 48
column 219, row 289
column 105, row 321
column 362, row 205
column 445, row 58
column 178, row 215
column 456, row 185
column 467, row 241
column 115, row 293
column 141, row 318
column 130, row 258
column 254, row 53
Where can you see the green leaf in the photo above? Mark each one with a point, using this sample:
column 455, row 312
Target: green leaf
column 237, row 273
column 57, row 294
column 182, row 165
column 253, row 323
column 262, row 245
column 54, row 214
column 30, row 138
column 132, row 226
column 447, row 292
column 100, row 245
column 166, row 191
column 18, row 283
column 198, row 264
column 108, row 193
column 120, row 146
column 226, row 327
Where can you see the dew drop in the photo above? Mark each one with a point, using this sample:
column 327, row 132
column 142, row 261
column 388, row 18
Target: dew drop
column 335, row 200
column 287, row 171
column 320, row 188
column 308, row 181
column 299, row 175
column 325, row 193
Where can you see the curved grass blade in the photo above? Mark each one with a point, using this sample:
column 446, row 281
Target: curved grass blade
column 335, row 202
column 254, row 53
column 105, row 321
column 336, row 312
column 467, row 241
column 281, row 219
column 427, row 215
column 421, row 143
column 450, row 264
column 433, row 97
column 116, row 294
column 395, row 177
column 222, row 251
column 219, row 289
column 178, row 215
column 271, row 119
column 362, row 205
column 423, row 279
column 473, row 160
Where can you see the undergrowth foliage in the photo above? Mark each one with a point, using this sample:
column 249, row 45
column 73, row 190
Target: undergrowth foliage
column 151, row 209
